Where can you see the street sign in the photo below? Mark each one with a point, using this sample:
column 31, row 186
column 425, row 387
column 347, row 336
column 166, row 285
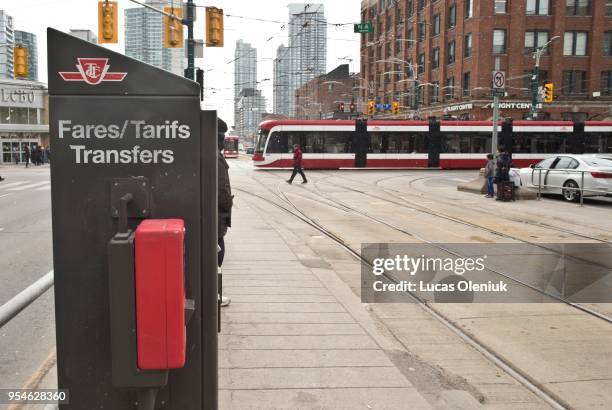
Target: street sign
column 499, row 92
column 499, row 79
column 363, row 28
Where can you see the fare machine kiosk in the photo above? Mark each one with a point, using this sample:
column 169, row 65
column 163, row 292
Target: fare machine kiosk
column 134, row 182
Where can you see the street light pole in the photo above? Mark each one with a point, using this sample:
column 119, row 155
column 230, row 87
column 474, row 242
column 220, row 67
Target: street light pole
column 535, row 77
column 190, row 72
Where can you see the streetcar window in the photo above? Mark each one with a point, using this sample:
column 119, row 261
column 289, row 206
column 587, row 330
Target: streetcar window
column 397, row 143
column 598, row 143
column 320, row 142
column 463, row 143
column 541, row 143
column 231, row 145
column 262, row 136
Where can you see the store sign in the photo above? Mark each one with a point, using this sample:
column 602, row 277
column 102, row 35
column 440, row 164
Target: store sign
column 20, row 97
column 512, row 106
column 459, row 107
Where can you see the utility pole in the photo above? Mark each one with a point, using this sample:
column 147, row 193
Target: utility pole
column 494, row 138
column 188, row 21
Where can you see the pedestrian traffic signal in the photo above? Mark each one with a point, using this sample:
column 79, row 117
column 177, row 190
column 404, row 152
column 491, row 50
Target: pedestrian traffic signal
column 20, row 61
column 548, row 92
column 352, row 107
column 173, row 28
column 108, row 22
column 214, row 27
column 341, row 107
column 371, row 107
column 395, row 106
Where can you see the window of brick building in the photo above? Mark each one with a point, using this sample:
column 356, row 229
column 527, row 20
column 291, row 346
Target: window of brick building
column 452, row 16
column 436, row 24
column 450, row 56
column 435, row 58
column 421, row 63
column 410, row 37
column 397, row 14
column 388, row 49
column 499, row 41
column 466, row 84
column 536, row 39
column 450, row 88
column 607, row 44
column 398, row 46
column 409, row 69
column 469, row 8
column 574, row 82
column 409, row 9
column 467, row 45
column 422, row 31
column 435, row 92
column 421, row 4
column 574, row 43
column 578, row 7
column 501, row 6
column 608, row 7
column 538, row 7
column 606, row 83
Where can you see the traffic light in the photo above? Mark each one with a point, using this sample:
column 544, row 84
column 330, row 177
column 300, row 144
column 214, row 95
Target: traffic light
column 173, row 28
column 352, row 107
column 214, row 27
column 20, row 61
column 341, row 107
column 107, row 22
column 548, row 92
column 371, row 107
column 395, row 106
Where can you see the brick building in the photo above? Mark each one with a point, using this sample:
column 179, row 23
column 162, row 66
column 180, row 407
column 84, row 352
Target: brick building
column 436, row 57
column 321, row 97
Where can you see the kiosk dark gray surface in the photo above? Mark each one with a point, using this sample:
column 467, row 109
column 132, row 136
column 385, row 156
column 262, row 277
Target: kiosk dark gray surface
column 113, row 117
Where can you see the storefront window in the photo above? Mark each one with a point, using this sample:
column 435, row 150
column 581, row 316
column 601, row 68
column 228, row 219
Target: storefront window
column 32, row 116
column 4, row 115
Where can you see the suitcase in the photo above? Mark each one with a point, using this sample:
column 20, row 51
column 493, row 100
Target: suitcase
column 505, row 191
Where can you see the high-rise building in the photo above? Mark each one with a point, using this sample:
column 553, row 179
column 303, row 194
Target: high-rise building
column 144, row 38
column 28, row 40
column 245, row 71
column 86, row 35
column 307, row 46
column 7, row 41
column 281, row 93
column 251, row 108
column 437, row 58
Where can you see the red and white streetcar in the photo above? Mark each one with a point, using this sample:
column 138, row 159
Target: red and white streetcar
column 230, row 146
column 333, row 144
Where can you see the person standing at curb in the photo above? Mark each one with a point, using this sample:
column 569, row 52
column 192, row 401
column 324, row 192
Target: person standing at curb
column 225, row 200
column 489, row 175
column 26, row 154
column 297, row 165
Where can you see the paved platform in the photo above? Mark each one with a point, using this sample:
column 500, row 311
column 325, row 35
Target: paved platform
column 295, row 336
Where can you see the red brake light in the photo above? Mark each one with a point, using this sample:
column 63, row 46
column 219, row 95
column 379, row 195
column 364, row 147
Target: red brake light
column 601, row 174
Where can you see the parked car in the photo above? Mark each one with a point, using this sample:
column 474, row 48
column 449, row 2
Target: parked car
column 250, row 151
column 564, row 174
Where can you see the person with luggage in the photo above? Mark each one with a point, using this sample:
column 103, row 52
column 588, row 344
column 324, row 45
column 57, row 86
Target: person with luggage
column 297, row 165
column 489, row 175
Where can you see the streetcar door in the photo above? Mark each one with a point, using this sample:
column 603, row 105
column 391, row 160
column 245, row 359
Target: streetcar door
column 434, row 145
column 361, row 143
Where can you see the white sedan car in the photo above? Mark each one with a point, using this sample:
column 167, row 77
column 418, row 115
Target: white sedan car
column 565, row 173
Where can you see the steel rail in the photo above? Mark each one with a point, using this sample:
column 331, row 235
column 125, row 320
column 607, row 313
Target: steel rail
column 25, row 298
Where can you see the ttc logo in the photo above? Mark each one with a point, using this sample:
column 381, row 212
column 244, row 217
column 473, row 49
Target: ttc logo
column 93, row 71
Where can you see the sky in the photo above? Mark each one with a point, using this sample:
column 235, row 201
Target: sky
column 36, row 15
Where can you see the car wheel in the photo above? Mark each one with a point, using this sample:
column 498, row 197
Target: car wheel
column 572, row 194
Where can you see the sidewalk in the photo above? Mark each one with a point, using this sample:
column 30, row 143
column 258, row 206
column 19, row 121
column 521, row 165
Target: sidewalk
column 295, row 334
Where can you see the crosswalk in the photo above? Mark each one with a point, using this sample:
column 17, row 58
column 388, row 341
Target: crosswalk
column 12, row 187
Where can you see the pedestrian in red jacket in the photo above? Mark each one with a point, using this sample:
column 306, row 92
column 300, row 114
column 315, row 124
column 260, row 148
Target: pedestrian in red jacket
column 297, row 165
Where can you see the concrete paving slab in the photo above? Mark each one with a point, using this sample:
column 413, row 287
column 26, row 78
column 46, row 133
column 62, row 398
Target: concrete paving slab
column 288, row 317
column 289, row 329
column 312, row 378
column 245, row 359
column 239, row 289
column 298, row 342
column 238, row 298
column 355, row 398
column 262, row 307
